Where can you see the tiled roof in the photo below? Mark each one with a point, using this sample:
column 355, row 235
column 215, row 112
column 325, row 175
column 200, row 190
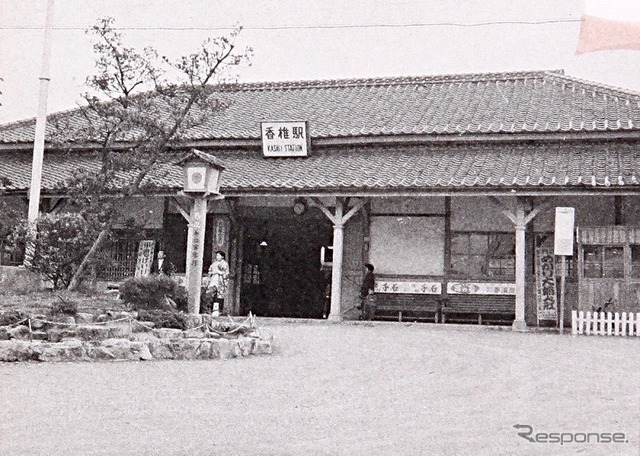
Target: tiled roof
column 578, row 165
column 478, row 104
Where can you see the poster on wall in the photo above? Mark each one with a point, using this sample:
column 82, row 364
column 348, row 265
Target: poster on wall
column 220, row 231
column 546, row 295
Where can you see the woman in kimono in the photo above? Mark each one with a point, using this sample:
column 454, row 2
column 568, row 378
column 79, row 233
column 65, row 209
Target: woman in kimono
column 218, row 277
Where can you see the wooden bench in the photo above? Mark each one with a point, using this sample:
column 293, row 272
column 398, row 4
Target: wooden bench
column 407, row 307
column 487, row 308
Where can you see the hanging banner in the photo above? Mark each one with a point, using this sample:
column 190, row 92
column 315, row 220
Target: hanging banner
column 547, row 297
column 145, row 258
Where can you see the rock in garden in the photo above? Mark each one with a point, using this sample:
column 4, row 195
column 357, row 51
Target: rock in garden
column 85, row 318
column 39, row 335
column 15, row 350
column 168, row 333
column 119, row 330
column 261, row 347
column 119, row 348
column 141, row 351
column 71, row 350
column 38, row 322
column 142, row 326
column 160, row 349
column 58, row 334
column 194, row 333
column 93, row 332
column 19, row 332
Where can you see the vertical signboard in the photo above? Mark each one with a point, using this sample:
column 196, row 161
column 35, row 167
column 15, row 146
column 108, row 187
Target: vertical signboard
column 563, row 236
column 563, row 246
column 546, row 293
column 145, row 257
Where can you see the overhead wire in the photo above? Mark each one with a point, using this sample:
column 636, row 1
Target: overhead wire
column 311, row 27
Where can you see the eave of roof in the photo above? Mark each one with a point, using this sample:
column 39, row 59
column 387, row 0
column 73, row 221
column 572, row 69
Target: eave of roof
column 426, row 169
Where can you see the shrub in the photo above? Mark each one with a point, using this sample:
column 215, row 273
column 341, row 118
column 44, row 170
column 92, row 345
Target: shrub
column 64, row 307
column 150, row 292
column 61, row 243
column 164, row 318
column 12, row 316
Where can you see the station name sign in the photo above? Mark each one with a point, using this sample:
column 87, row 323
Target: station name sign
column 285, row 139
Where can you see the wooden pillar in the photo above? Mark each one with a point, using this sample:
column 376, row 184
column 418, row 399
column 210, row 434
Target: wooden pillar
column 195, row 252
column 519, row 323
column 339, row 219
column 336, row 270
column 520, row 219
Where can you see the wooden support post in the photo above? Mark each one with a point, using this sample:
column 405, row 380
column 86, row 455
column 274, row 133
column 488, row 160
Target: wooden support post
column 563, row 272
column 195, row 252
column 336, row 269
column 520, row 219
column 519, row 324
column 338, row 219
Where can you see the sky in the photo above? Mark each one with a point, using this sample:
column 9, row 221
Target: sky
column 310, row 40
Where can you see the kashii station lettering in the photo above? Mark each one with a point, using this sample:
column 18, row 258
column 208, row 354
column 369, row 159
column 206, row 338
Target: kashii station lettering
column 284, row 139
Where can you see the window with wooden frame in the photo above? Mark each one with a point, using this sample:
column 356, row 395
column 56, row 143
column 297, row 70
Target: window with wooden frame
column 482, row 255
column 603, row 262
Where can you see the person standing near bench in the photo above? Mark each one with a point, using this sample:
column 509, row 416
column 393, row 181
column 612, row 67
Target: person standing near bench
column 367, row 296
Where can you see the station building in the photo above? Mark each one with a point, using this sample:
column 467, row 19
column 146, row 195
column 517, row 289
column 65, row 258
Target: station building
column 447, row 184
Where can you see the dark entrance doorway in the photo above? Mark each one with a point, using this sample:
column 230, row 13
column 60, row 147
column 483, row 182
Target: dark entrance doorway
column 282, row 276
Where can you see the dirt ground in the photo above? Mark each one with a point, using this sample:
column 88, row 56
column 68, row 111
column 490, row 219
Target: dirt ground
column 336, row 389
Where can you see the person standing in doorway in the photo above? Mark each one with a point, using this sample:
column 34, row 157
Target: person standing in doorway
column 218, row 277
column 367, row 297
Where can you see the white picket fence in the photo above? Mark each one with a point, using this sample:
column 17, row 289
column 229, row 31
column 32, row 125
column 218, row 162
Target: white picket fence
column 605, row 323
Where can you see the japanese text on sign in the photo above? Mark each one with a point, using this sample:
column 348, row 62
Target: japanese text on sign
column 394, row 286
column 284, row 139
column 481, row 288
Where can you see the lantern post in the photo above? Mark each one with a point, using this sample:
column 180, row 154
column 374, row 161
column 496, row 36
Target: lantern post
column 202, row 173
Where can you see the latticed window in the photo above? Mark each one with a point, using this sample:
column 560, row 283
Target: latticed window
column 483, row 254
column 124, row 254
column 603, row 262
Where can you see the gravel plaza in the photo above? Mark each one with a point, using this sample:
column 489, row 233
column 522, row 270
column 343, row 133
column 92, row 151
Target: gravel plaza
column 337, row 389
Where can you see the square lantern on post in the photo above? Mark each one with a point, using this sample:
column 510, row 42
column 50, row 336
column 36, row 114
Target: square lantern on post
column 202, row 173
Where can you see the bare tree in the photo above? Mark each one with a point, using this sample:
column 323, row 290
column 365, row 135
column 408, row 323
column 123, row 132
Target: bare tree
column 138, row 107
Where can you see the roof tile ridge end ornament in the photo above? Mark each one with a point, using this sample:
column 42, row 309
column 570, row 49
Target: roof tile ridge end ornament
column 594, row 86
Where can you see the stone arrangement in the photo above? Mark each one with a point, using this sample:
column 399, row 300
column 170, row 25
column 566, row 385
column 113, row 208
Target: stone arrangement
column 120, row 336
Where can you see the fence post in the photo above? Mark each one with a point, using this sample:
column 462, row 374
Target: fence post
column 599, row 323
column 574, row 322
column 588, row 323
column 624, row 323
column 637, row 324
column 580, row 322
column 616, row 324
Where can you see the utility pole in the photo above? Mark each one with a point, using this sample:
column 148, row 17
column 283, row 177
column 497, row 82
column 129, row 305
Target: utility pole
column 38, row 142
